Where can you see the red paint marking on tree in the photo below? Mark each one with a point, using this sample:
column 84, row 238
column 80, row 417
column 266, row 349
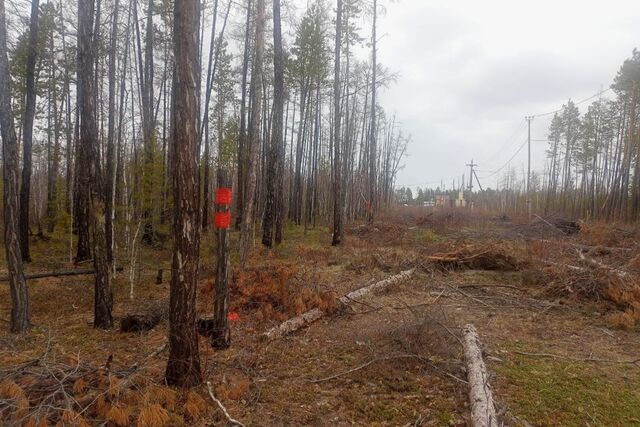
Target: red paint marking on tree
column 224, row 196
column 223, row 219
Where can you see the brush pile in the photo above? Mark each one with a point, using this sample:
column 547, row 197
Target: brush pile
column 57, row 389
column 473, row 259
column 278, row 292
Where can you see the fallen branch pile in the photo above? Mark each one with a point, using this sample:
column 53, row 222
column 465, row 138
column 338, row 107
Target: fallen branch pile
column 466, row 259
column 311, row 316
column 68, row 391
column 565, row 226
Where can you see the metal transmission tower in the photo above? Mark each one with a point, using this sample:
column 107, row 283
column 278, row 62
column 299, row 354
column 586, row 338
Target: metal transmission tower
column 529, row 119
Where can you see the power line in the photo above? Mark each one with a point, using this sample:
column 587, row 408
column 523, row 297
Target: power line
column 598, row 94
column 575, row 103
column 508, row 161
column 421, row 184
column 508, row 141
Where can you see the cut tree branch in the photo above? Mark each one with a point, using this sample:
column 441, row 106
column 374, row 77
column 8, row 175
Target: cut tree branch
column 311, row 316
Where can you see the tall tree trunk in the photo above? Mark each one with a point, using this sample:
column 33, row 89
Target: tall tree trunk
column 221, row 333
column 68, row 125
column 372, row 203
column 149, row 128
column 27, row 130
column 337, row 135
column 205, row 121
column 103, row 296
column 81, row 178
column 242, row 136
column 275, row 163
column 52, row 175
column 183, row 366
column 280, row 194
column 110, row 163
column 246, row 230
column 20, row 315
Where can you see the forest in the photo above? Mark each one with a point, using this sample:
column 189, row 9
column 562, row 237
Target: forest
column 204, row 223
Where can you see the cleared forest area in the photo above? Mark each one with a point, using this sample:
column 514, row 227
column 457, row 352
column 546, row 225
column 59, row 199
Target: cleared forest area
column 555, row 312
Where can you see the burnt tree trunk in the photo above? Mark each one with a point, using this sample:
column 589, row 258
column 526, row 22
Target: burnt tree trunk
column 20, row 315
column 183, row 366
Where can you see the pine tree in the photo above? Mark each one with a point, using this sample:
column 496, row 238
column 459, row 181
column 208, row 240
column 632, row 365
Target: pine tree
column 183, row 366
column 20, row 314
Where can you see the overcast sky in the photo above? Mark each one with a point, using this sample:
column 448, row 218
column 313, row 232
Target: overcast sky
column 471, row 70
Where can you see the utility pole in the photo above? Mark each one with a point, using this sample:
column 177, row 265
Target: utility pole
column 529, row 119
column 471, row 166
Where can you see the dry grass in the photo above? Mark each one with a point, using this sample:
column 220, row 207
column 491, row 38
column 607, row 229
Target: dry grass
column 274, row 292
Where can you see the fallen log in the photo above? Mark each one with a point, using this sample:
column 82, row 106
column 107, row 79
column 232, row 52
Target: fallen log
column 620, row 273
column 311, row 316
column 483, row 411
column 587, row 248
column 61, row 273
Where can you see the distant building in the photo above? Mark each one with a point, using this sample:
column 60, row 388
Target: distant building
column 448, row 201
column 443, row 201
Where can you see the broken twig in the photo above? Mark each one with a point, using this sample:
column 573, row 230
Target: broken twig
column 221, row 406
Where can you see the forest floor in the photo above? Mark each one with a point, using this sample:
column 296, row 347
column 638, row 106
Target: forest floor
column 556, row 309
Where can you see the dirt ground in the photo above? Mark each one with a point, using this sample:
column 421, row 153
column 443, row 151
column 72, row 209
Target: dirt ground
column 557, row 314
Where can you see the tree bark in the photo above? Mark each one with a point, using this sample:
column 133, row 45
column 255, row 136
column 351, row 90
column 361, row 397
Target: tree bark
column 103, row 295
column 149, row 131
column 275, row 164
column 337, row 135
column 54, row 155
column 27, row 130
column 111, row 160
column 254, row 134
column 20, row 314
column 373, row 121
column 221, row 332
column 183, row 366
column 242, row 135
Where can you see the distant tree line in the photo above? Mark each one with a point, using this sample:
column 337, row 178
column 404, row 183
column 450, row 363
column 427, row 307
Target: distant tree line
column 592, row 167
